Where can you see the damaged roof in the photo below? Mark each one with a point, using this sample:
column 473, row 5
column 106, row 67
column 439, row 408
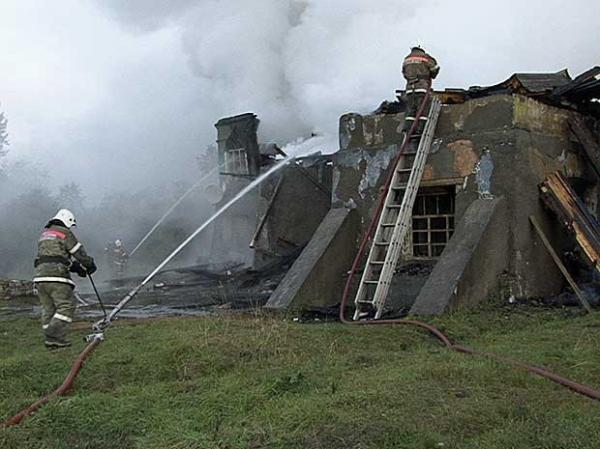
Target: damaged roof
column 532, row 84
column 587, row 84
column 559, row 89
column 542, row 82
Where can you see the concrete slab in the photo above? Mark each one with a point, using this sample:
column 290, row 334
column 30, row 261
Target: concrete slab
column 316, row 278
column 471, row 266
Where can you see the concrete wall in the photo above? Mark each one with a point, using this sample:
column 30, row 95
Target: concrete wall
column 316, row 279
column 472, row 265
column 236, row 132
column 233, row 231
column 499, row 146
column 302, row 201
column 524, row 140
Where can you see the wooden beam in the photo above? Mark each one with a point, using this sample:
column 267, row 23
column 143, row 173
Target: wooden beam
column 580, row 295
column 263, row 220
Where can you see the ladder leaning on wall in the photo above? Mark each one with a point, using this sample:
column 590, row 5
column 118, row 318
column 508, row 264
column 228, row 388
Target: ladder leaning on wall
column 394, row 223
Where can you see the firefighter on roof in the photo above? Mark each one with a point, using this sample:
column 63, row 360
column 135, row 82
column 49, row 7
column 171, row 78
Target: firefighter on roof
column 419, row 68
column 59, row 254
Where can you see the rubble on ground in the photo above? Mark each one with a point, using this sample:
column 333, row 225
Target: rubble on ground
column 12, row 289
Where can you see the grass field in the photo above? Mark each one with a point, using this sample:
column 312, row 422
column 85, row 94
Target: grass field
column 263, row 382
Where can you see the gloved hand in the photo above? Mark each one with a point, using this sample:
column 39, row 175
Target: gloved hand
column 76, row 267
column 91, row 269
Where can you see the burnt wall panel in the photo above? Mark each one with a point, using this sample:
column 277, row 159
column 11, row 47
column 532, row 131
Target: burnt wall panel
column 316, row 279
column 239, row 132
column 298, row 209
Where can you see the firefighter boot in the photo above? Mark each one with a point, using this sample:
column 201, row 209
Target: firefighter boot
column 56, row 335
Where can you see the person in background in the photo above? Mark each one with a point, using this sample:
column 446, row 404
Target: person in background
column 118, row 258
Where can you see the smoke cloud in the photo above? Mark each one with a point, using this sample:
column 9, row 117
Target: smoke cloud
column 300, row 63
column 122, row 95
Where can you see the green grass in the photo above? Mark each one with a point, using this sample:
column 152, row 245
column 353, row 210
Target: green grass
column 263, row 382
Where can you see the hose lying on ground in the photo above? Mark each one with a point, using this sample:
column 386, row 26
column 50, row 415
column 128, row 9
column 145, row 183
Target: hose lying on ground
column 547, row 374
column 60, row 391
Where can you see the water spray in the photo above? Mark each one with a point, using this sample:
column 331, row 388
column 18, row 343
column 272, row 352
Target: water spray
column 172, row 208
column 99, row 327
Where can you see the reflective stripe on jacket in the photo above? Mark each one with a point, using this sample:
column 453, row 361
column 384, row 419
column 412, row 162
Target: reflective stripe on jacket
column 53, row 279
column 419, row 68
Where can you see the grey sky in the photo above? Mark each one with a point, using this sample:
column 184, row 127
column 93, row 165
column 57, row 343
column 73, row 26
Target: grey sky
column 124, row 93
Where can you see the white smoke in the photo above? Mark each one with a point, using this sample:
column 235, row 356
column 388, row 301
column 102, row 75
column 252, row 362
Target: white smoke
column 120, row 94
column 299, row 64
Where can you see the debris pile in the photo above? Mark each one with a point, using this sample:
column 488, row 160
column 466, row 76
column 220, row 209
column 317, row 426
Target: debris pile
column 12, row 289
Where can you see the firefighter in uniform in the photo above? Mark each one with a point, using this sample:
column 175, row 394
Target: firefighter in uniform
column 419, row 69
column 59, row 254
column 119, row 258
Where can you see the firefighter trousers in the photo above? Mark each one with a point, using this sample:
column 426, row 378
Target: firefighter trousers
column 58, row 309
column 414, row 98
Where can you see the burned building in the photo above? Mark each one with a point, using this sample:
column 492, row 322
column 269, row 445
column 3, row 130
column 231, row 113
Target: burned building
column 470, row 235
column 271, row 222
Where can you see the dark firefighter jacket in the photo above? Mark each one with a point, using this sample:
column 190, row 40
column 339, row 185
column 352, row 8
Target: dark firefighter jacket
column 419, row 68
column 56, row 246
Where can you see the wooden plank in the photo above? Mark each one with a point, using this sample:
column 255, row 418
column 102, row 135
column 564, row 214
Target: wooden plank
column 580, row 295
column 573, row 215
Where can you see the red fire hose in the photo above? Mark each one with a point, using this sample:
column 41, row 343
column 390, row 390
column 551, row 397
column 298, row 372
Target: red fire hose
column 574, row 386
column 60, row 391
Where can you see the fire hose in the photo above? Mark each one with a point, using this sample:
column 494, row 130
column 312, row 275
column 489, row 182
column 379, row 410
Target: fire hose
column 98, row 328
column 543, row 372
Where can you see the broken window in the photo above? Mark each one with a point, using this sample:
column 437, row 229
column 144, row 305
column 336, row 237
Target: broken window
column 236, row 161
column 432, row 222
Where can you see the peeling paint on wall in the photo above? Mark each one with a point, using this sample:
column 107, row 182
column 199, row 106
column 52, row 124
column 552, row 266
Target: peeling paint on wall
column 465, row 157
column 428, row 173
column 483, row 175
column 573, row 166
column 376, row 164
column 543, row 165
column 436, row 145
column 372, row 130
column 347, row 127
column 334, row 182
column 467, row 109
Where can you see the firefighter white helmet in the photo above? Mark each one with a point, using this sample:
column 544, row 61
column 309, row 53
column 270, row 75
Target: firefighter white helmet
column 118, row 243
column 67, row 217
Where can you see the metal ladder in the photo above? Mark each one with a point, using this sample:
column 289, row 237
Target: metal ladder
column 394, row 223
